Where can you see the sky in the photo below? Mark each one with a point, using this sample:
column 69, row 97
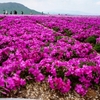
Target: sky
column 61, row 6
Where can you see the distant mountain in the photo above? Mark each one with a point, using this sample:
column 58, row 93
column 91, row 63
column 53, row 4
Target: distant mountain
column 16, row 6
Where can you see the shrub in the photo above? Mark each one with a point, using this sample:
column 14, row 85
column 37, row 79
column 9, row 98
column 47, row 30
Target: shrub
column 91, row 39
column 97, row 47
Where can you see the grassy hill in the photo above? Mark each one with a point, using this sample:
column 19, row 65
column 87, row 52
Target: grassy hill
column 16, row 6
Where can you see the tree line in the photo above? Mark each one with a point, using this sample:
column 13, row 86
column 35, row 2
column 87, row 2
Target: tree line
column 12, row 12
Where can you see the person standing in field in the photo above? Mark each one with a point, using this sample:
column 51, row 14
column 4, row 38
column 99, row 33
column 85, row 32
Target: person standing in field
column 6, row 12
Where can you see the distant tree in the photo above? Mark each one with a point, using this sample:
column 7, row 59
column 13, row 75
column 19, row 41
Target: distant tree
column 42, row 13
column 22, row 12
column 15, row 12
column 3, row 11
column 10, row 12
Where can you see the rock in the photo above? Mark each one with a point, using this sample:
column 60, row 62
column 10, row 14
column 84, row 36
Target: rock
column 91, row 93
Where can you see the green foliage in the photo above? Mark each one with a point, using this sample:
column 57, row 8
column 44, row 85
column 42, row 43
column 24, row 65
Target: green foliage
column 47, row 44
column 91, row 39
column 24, row 73
column 56, row 29
column 74, row 55
column 67, row 32
column 97, row 47
column 74, row 79
column 57, row 38
column 88, row 63
column 61, row 72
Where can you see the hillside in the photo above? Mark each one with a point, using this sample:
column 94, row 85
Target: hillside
column 16, row 6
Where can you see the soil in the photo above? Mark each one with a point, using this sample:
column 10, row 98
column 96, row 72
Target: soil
column 43, row 92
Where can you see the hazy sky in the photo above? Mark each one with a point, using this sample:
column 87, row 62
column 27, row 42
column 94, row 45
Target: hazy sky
column 88, row 6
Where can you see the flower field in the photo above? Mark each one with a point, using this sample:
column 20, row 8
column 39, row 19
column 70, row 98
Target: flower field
column 64, row 51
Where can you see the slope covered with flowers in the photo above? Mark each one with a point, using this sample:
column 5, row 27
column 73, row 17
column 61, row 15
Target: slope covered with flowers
column 61, row 50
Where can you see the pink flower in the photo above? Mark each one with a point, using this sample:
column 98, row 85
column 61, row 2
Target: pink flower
column 22, row 82
column 2, row 82
column 39, row 77
column 10, row 83
column 51, row 83
column 79, row 89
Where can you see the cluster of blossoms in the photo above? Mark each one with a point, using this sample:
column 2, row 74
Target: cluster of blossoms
column 59, row 84
column 98, row 40
column 37, row 48
column 80, row 27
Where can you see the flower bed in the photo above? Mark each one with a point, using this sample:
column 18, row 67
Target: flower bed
column 30, row 51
